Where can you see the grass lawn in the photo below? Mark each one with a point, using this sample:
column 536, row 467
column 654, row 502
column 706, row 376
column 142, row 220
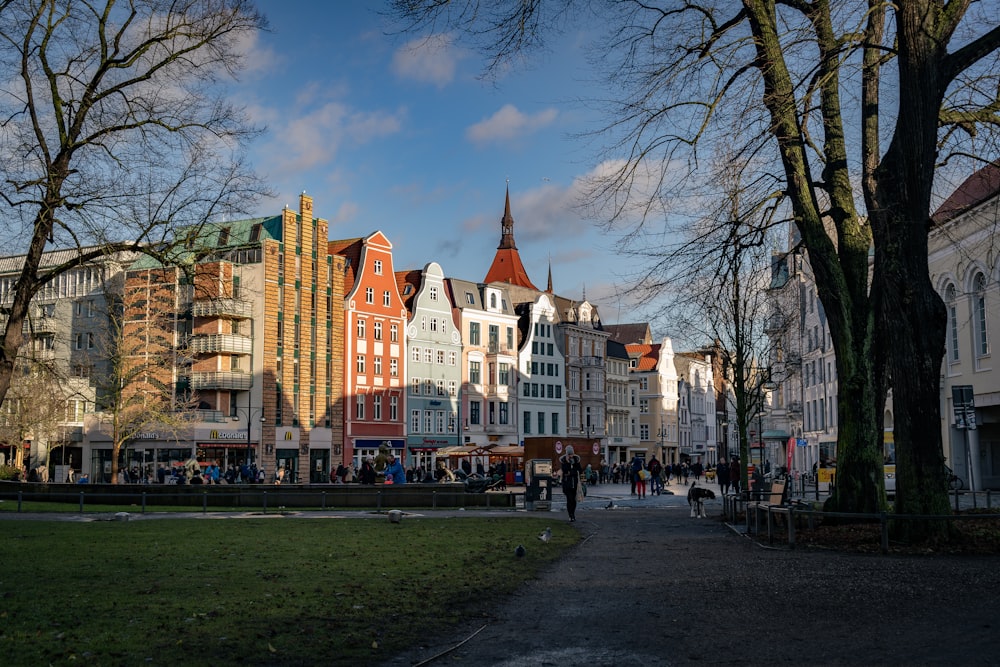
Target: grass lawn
column 268, row 591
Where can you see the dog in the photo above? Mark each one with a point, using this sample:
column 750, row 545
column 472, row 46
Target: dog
column 696, row 499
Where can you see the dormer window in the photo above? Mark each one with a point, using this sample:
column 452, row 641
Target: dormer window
column 378, row 267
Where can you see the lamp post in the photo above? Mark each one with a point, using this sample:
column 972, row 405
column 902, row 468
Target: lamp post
column 250, row 413
column 725, row 441
column 661, row 434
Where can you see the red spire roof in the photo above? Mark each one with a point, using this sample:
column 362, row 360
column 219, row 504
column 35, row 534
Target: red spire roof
column 507, row 266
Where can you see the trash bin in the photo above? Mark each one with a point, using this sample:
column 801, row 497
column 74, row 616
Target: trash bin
column 538, row 494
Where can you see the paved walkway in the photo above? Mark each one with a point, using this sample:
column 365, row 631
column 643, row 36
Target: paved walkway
column 649, row 586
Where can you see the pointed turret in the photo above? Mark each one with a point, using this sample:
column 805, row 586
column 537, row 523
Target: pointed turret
column 507, row 266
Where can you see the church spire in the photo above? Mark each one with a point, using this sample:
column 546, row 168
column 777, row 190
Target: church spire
column 507, row 266
column 548, row 288
column 507, row 226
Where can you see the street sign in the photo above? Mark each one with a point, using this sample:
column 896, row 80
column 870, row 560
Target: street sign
column 963, row 405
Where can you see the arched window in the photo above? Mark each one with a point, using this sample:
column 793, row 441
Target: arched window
column 981, row 341
column 949, row 302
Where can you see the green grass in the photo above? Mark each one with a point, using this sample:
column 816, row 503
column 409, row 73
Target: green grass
column 253, row 591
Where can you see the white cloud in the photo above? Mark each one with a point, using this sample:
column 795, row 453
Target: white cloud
column 432, row 59
column 508, row 124
column 304, row 142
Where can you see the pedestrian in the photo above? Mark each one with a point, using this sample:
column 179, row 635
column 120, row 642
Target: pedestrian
column 655, row 481
column 368, row 474
column 571, row 471
column 722, row 475
column 394, row 470
column 639, row 474
column 735, row 474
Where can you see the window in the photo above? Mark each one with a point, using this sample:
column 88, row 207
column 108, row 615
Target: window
column 428, row 355
column 979, row 314
column 414, row 421
column 432, row 293
column 361, row 328
column 452, row 358
column 377, row 330
column 415, row 354
column 644, row 406
column 439, row 421
column 440, row 357
column 393, row 407
column 78, row 344
column 377, row 264
column 475, row 372
column 377, row 407
column 473, row 333
column 386, row 299
column 369, row 295
column 428, row 386
column 475, row 408
column 541, row 423
column 359, row 407
column 423, row 323
column 361, row 363
column 415, row 386
column 394, row 367
column 434, row 324
column 440, row 388
column 394, row 333
column 503, row 377
column 644, row 432
column 469, row 298
column 90, row 341
column 378, row 367
column 555, row 423
column 504, row 414
column 510, row 338
column 452, row 388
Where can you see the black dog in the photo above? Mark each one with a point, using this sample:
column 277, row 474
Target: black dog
column 696, row 499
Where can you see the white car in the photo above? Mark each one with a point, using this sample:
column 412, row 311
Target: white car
column 890, row 480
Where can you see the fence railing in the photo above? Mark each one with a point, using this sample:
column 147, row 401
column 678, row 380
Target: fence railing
column 249, row 497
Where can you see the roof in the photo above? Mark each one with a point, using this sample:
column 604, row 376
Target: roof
column 648, row 356
column 982, row 185
column 411, row 279
column 507, row 266
column 350, row 249
column 629, row 334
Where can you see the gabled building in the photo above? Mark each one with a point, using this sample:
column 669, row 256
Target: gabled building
column 489, row 335
column 541, row 362
column 696, row 387
column 374, row 346
column 661, row 414
column 622, row 391
column 434, row 371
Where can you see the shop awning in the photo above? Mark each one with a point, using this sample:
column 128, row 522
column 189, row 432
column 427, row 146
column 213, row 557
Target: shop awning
column 775, row 435
column 507, row 450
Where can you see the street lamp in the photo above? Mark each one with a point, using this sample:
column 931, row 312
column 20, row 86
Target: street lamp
column 662, row 433
column 250, row 413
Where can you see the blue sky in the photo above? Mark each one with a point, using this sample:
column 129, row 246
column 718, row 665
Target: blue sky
column 386, row 134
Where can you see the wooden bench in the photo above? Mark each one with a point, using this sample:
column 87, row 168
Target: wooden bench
column 775, row 499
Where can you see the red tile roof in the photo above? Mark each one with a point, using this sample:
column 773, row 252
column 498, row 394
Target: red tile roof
column 982, row 185
column 404, row 278
column 648, row 355
column 507, row 266
column 350, row 249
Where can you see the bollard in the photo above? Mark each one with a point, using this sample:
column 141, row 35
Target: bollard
column 19, row 499
column 322, row 496
column 434, row 499
column 791, row 526
column 204, row 502
column 143, row 502
column 265, row 502
column 885, row 532
column 81, row 502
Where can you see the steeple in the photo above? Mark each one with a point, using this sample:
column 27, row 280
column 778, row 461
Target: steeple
column 548, row 287
column 507, row 226
column 507, row 266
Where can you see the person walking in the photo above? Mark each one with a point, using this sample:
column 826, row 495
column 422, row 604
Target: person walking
column 639, row 476
column 734, row 474
column 655, row 479
column 569, row 466
column 722, row 475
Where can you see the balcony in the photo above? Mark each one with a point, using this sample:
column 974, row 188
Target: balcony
column 39, row 325
column 222, row 380
column 500, row 390
column 585, row 361
column 222, row 308
column 496, row 348
column 215, row 343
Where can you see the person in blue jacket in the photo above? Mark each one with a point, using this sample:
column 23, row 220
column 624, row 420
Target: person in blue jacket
column 395, row 470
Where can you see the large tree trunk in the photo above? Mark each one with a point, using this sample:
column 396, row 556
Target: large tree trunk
column 907, row 304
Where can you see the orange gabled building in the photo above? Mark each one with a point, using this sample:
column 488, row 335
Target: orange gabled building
column 374, row 349
column 507, row 266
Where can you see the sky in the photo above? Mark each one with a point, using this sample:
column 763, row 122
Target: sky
column 385, row 133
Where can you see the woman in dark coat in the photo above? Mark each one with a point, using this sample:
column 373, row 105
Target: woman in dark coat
column 569, row 464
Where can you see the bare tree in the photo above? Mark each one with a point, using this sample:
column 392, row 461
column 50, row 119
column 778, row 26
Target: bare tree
column 34, row 408
column 116, row 129
column 769, row 79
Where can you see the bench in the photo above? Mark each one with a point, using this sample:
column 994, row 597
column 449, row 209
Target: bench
column 775, row 501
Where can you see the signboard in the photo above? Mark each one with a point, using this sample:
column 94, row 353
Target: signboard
column 559, row 447
column 597, row 448
column 964, row 406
